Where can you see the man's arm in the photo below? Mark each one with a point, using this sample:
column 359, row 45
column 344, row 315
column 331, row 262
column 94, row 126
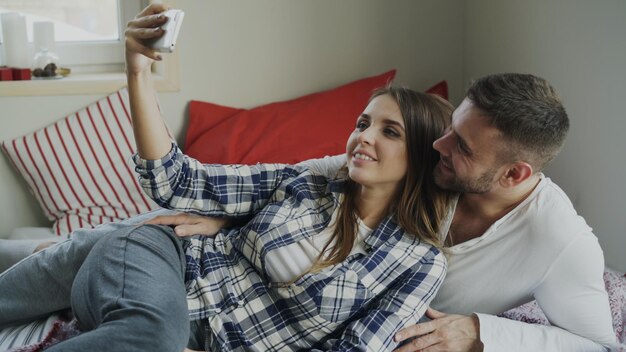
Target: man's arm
column 327, row 166
column 572, row 295
column 502, row 334
column 484, row 332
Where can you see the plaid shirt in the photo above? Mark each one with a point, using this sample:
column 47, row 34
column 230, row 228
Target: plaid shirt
column 356, row 305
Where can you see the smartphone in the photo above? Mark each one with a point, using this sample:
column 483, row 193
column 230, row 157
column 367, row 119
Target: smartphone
column 167, row 42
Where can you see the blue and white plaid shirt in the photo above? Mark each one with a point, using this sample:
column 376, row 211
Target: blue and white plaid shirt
column 356, row 305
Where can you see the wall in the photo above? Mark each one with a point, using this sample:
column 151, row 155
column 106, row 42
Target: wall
column 580, row 47
column 244, row 53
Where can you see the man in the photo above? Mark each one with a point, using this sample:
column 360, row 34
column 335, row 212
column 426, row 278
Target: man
column 514, row 234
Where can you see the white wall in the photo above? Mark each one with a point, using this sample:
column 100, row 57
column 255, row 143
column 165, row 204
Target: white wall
column 580, row 47
column 244, row 53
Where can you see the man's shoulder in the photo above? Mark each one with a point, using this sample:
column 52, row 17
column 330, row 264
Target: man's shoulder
column 550, row 212
column 550, row 200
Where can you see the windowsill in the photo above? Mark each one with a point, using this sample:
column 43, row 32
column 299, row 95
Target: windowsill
column 165, row 80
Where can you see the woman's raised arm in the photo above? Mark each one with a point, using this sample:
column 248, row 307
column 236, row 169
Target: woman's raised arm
column 151, row 136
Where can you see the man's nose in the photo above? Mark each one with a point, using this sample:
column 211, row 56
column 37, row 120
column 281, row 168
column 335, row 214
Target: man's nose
column 440, row 143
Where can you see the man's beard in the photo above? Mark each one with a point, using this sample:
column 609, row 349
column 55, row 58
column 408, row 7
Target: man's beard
column 482, row 184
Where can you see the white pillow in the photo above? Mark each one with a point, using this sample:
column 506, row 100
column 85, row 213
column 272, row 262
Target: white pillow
column 80, row 168
column 27, row 334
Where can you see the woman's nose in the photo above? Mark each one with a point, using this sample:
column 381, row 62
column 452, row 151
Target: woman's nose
column 366, row 136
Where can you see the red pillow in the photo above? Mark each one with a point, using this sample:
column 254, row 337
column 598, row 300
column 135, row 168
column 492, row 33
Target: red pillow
column 308, row 127
column 440, row 89
column 203, row 117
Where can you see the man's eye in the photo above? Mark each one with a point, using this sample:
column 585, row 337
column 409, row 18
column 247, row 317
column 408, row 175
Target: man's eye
column 462, row 148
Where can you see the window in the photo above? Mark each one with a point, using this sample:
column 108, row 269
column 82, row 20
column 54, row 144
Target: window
column 89, row 39
column 88, row 33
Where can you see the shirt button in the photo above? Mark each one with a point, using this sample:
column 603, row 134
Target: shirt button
column 217, row 311
column 240, row 303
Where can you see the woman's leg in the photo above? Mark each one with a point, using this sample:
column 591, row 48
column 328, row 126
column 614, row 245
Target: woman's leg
column 129, row 294
column 40, row 284
column 12, row 251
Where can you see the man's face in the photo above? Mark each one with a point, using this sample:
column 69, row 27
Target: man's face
column 469, row 160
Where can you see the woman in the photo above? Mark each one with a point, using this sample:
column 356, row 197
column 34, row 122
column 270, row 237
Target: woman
column 322, row 264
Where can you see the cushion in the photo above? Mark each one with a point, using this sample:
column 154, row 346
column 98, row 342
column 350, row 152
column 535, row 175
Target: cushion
column 290, row 131
column 275, row 133
column 440, row 89
column 80, row 168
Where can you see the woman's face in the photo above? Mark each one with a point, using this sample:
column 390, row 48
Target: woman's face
column 376, row 150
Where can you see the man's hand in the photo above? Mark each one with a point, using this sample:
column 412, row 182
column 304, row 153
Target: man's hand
column 43, row 246
column 445, row 332
column 189, row 224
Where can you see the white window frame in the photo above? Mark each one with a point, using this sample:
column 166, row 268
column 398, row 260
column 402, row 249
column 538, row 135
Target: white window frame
column 99, row 56
column 101, row 67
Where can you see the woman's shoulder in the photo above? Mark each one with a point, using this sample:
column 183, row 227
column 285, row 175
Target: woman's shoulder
column 407, row 244
column 425, row 251
column 418, row 256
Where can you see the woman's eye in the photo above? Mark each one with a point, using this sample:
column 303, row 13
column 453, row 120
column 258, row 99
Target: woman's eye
column 361, row 125
column 391, row 132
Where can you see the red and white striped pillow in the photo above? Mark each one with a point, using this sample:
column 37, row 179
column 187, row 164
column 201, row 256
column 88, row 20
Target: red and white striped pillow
column 80, row 167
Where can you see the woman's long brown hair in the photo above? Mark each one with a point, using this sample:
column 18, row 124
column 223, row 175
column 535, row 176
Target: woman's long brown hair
column 419, row 206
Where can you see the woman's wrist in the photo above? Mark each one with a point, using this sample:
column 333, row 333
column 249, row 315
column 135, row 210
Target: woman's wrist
column 140, row 80
column 139, row 75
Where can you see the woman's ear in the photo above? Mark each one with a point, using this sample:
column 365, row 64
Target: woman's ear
column 517, row 173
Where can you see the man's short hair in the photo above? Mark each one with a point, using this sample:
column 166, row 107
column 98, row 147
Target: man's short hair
column 528, row 112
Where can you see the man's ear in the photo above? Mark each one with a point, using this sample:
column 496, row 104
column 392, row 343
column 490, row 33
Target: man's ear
column 516, row 173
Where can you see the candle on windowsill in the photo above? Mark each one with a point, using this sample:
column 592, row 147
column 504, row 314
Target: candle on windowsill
column 15, row 40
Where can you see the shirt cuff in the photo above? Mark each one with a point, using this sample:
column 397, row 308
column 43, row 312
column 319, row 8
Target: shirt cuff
column 144, row 165
column 487, row 326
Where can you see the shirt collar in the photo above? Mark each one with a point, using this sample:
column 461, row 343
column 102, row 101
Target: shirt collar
column 387, row 231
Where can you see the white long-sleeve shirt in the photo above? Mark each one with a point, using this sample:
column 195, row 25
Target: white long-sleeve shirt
column 540, row 250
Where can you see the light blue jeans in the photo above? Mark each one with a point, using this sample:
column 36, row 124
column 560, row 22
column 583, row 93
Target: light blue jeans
column 124, row 284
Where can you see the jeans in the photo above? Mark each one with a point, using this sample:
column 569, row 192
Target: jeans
column 124, row 284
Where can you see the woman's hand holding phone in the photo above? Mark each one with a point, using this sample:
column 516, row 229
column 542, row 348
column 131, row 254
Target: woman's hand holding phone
column 140, row 31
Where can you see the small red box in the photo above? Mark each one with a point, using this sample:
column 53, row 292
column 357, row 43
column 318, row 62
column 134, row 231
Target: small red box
column 21, row 74
column 6, row 74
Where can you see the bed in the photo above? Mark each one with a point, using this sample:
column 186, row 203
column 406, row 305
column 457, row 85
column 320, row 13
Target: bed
column 80, row 172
